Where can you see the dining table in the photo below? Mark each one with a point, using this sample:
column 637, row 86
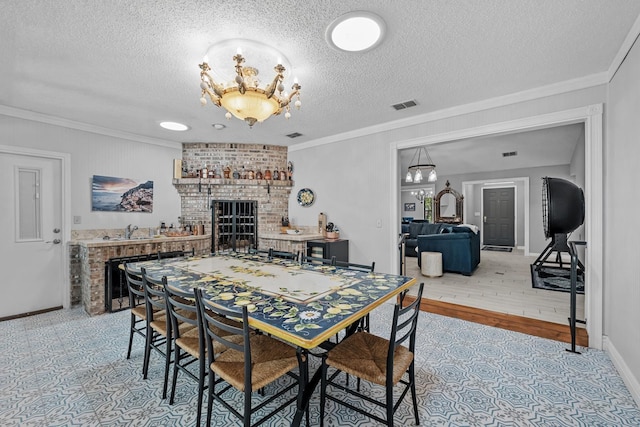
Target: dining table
column 303, row 304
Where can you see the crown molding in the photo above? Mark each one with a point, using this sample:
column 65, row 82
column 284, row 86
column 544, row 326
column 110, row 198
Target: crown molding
column 500, row 101
column 626, row 46
column 72, row 124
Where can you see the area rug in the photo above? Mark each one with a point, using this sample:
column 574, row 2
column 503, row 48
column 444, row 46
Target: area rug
column 497, row 248
column 555, row 279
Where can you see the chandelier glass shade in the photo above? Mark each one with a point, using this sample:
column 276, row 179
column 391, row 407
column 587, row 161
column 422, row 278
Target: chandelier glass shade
column 416, row 168
column 240, row 94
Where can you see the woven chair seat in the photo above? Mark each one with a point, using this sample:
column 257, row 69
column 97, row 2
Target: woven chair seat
column 271, row 359
column 365, row 356
column 160, row 326
column 190, row 342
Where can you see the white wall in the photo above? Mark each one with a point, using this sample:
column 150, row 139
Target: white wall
column 537, row 241
column 94, row 154
column 621, row 202
column 351, row 176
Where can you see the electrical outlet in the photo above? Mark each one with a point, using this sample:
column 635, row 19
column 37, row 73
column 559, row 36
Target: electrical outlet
column 379, row 223
column 77, row 219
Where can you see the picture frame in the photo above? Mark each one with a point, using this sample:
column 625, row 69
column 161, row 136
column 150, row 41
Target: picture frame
column 112, row 194
column 408, row 207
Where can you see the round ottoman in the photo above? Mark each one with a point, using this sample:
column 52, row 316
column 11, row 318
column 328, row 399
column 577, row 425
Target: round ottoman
column 431, row 264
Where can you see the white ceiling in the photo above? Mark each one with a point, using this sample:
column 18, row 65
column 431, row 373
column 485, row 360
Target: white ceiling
column 127, row 65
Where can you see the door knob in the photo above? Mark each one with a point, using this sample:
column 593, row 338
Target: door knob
column 485, row 218
column 55, row 241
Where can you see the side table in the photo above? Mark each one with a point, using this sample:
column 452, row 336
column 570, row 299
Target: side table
column 431, row 264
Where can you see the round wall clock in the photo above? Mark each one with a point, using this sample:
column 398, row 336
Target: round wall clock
column 306, row 197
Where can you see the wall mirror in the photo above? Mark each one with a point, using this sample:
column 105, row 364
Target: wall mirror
column 448, row 206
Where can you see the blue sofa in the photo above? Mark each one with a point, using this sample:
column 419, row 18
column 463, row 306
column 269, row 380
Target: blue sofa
column 459, row 245
column 413, row 230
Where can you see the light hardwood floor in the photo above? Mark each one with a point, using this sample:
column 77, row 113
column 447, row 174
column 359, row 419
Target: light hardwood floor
column 501, row 283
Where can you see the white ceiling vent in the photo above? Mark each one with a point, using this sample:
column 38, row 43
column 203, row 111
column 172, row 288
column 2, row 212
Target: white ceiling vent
column 406, row 104
column 510, row 154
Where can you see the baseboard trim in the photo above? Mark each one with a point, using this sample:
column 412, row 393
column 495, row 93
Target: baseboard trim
column 629, row 379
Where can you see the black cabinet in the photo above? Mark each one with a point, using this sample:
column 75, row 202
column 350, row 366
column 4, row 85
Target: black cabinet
column 234, row 224
column 329, row 248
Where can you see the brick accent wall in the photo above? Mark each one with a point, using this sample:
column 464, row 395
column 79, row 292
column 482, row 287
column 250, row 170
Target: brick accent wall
column 272, row 195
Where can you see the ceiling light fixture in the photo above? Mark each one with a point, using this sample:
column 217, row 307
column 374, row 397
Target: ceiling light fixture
column 241, row 95
column 174, row 126
column 416, row 168
column 422, row 194
column 218, row 126
column 357, row 31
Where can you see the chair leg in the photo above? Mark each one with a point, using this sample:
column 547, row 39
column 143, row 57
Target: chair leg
column 247, row 408
column 147, row 352
column 412, row 378
column 174, row 379
column 389, row 396
column 201, row 376
column 323, row 391
column 167, row 364
column 133, row 325
column 211, row 390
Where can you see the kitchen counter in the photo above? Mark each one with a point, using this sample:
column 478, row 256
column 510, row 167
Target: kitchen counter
column 88, row 258
column 119, row 241
column 301, row 237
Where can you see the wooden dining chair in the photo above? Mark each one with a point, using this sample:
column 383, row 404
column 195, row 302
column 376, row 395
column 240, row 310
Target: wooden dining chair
column 292, row 256
column 251, row 362
column 138, row 324
column 381, row 361
column 367, row 268
column 159, row 329
column 306, row 259
column 176, row 254
column 263, row 252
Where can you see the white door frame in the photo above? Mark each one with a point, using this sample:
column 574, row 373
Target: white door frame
column 499, row 183
column 591, row 116
column 65, row 185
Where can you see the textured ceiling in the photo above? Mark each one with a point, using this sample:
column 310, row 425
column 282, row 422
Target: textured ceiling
column 127, row 65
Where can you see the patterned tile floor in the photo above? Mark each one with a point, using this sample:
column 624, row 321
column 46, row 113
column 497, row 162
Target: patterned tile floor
column 68, row 369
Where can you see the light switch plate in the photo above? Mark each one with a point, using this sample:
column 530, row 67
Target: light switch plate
column 77, row 219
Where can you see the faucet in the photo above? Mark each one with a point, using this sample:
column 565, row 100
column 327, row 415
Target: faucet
column 128, row 231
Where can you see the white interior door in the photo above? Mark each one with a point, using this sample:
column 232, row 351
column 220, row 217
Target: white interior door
column 31, row 247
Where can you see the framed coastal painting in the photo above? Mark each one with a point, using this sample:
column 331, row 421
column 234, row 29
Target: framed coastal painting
column 111, row 194
column 409, row 207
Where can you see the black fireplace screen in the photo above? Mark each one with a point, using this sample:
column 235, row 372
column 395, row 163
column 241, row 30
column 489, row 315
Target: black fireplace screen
column 234, row 224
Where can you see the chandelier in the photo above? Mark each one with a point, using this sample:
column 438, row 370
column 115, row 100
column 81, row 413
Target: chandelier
column 243, row 97
column 414, row 171
column 422, row 194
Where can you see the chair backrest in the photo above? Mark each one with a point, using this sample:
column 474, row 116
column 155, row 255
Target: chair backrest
column 305, row 259
column 154, row 295
column 357, row 267
column 179, row 305
column 176, row 254
column 252, row 250
column 285, row 255
column 216, row 328
column 405, row 320
column 135, row 286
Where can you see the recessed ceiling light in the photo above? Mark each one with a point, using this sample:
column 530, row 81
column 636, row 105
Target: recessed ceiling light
column 218, row 126
column 174, row 126
column 357, row 31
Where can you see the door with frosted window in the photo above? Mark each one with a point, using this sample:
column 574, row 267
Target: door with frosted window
column 31, row 246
